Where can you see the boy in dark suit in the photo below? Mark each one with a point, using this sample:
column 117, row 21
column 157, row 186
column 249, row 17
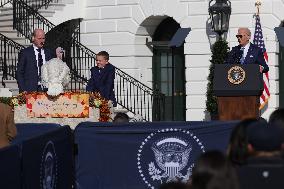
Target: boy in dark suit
column 246, row 52
column 31, row 59
column 102, row 77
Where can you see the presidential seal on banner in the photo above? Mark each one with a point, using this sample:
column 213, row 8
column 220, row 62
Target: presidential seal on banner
column 48, row 172
column 167, row 156
column 236, row 75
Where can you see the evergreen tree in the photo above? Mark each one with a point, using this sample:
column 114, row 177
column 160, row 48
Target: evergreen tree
column 219, row 51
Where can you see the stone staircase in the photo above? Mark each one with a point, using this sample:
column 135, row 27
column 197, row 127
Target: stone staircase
column 6, row 29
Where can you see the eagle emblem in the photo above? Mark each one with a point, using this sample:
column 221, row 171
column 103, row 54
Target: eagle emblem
column 236, row 75
column 171, row 156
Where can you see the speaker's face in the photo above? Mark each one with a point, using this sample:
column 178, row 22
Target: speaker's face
column 243, row 37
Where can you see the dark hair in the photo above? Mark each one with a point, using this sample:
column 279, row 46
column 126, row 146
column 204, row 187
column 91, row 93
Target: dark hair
column 211, row 167
column 174, row 185
column 237, row 149
column 104, row 54
column 121, row 118
column 277, row 117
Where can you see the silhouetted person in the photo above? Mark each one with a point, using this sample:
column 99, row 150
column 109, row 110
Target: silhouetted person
column 121, row 118
column 237, row 150
column 211, row 168
column 277, row 117
column 8, row 129
column 265, row 166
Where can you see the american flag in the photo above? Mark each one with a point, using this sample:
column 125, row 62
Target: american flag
column 258, row 41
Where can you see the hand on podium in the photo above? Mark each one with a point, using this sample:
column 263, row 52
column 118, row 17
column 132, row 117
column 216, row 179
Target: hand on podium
column 261, row 69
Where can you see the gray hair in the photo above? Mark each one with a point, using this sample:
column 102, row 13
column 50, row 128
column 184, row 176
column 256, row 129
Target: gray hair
column 248, row 32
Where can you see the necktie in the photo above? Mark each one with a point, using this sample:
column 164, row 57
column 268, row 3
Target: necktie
column 242, row 60
column 40, row 62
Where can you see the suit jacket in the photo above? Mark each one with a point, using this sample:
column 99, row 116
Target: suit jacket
column 102, row 81
column 254, row 56
column 27, row 70
column 8, row 129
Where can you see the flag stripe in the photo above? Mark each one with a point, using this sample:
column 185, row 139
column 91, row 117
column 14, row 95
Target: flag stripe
column 259, row 41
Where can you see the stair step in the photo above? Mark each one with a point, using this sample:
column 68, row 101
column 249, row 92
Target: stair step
column 6, row 17
column 46, row 13
column 66, row 1
column 119, row 110
column 6, row 13
column 10, row 81
column 56, row 6
column 7, row 28
column 6, row 23
column 5, row 92
column 4, row 9
column 11, row 84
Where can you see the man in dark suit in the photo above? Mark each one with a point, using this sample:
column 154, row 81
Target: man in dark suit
column 246, row 52
column 30, row 61
column 102, row 77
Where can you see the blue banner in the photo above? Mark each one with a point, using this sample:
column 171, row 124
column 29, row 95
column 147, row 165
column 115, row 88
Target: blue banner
column 30, row 130
column 10, row 167
column 47, row 160
column 143, row 155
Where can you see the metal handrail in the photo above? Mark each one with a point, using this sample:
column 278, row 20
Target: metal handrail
column 9, row 50
column 4, row 2
column 26, row 19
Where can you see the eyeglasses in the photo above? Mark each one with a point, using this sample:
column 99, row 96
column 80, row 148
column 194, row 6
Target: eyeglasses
column 239, row 36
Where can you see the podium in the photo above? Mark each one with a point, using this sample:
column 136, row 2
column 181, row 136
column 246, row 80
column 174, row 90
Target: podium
column 238, row 89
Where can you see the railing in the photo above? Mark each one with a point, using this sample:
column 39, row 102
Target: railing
column 130, row 93
column 38, row 4
column 26, row 19
column 5, row 2
column 9, row 57
column 138, row 98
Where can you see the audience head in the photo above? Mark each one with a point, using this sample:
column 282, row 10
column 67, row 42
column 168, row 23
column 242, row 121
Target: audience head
column 264, row 139
column 121, row 118
column 212, row 167
column 237, row 150
column 102, row 59
column 38, row 38
column 173, row 185
column 277, row 118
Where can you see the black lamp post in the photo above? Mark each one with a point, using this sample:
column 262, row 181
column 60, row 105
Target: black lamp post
column 220, row 12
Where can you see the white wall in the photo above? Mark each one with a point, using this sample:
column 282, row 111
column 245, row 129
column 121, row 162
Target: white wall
column 122, row 26
column 72, row 9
